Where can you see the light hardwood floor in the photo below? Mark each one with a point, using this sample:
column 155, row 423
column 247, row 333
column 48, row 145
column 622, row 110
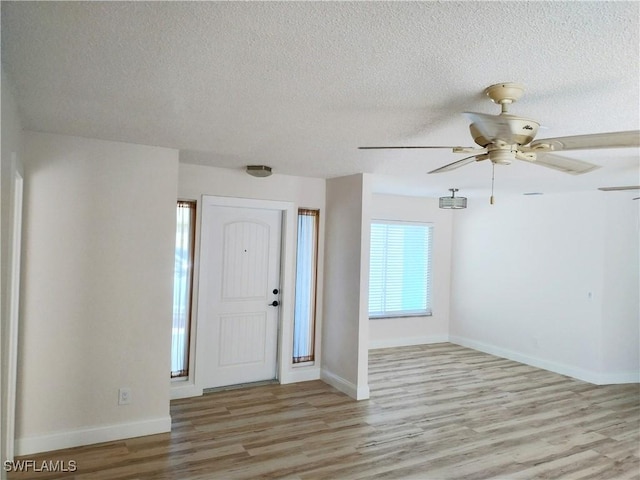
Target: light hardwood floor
column 436, row 412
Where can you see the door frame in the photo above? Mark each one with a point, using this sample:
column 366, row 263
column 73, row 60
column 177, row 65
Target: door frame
column 15, row 255
column 287, row 280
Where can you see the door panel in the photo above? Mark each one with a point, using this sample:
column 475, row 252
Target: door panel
column 240, row 268
column 242, row 339
column 245, row 269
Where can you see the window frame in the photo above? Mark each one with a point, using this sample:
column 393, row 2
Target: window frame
column 298, row 361
column 184, row 373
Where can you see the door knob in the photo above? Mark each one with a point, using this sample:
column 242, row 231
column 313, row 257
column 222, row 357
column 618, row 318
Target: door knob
column 275, row 303
column 276, row 291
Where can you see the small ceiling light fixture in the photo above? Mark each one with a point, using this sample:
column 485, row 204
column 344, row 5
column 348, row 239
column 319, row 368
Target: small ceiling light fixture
column 453, row 201
column 258, row 170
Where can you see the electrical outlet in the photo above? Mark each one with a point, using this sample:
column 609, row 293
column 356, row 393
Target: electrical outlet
column 124, row 396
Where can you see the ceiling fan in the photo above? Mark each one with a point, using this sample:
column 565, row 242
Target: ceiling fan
column 505, row 137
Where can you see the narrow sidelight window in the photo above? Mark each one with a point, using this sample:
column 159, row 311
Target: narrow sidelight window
column 306, row 273
column 182, row 286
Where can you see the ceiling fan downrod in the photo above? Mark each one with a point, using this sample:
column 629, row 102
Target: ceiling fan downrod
column 504, row 94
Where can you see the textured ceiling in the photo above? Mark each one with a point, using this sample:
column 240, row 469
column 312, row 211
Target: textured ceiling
column 300, row 85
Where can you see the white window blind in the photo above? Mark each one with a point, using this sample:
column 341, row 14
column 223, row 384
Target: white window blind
column 400, row 269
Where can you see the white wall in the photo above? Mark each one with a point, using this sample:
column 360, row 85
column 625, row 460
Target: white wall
column 197, row 180
column 303, row 192
column 345, row 336
column 529, row 279
column 11, row 148
column 97, row 290
column 418, row 330
column 620, row 327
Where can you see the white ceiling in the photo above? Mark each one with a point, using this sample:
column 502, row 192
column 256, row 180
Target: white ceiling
column 300, row 85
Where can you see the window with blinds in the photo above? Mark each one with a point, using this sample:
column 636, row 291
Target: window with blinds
column 400, row 269
column 182, row 287
column 305, row 301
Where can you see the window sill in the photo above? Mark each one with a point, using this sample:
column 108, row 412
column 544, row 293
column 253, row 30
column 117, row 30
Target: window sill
column 402, row 315
column 310, row 363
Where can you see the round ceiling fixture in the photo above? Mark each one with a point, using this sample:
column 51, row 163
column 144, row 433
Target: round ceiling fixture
column 258, row 170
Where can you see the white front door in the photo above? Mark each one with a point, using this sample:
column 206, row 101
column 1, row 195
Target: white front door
column 239, row 283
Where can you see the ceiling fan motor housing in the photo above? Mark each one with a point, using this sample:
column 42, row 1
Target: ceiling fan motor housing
column 515, row 130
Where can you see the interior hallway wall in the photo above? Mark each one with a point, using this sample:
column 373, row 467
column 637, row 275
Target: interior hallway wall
column 345, row 336
column 98, row 249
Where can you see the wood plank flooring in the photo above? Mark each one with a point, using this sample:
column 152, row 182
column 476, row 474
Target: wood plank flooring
column 436, row 412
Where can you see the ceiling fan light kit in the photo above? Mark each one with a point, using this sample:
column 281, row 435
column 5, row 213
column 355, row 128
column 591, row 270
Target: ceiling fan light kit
column 453, row 202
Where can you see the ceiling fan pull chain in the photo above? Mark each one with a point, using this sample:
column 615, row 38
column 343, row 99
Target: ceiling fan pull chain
column 493, row 178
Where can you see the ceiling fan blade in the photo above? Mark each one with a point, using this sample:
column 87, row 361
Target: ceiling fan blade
column 614, row 189
column 593, row 141
column 406, row 146
column 460, row 163
column 563, row 164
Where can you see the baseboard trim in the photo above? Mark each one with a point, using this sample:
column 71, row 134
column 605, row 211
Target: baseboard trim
column 589, row 376
column 349, row 388
column 184, row 390
column 301, row 374
column 408, row 341
column 89, row 436
column 363, row 393
column 617, row 378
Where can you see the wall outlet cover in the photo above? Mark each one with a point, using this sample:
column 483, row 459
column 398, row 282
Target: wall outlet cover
column 124, row 396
